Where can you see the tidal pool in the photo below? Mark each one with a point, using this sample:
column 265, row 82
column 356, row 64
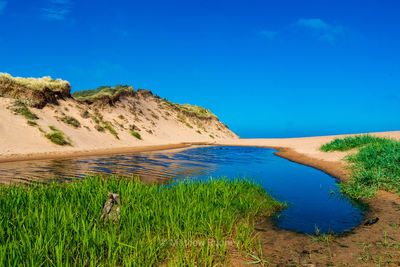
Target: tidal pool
column 312, row 196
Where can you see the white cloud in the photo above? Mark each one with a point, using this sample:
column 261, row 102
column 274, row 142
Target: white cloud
column 57, row 9
column 322, row 30
column 316, row 24
column 268, row 34
column 3, row 5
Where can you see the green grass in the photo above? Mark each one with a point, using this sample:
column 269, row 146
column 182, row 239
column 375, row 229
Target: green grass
column 376, row 165
column 101, row 124
column 107, row 125
column 182, row 119
column 71, row 121
column 189, row 223
column 350, row 142
column 198, row 111
column 32, row 123
column 136, row 134
column 57, row 137
column 21, row 108
column 102, row 91
column 85, row 114
column 39, row 84
column 99, row 128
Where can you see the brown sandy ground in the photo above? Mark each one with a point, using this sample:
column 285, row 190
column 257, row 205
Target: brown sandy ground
column 375, row 245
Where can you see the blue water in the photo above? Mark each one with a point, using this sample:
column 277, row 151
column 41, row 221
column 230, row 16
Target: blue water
column 307, row 191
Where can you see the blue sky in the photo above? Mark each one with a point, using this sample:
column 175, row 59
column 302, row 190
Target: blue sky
column 266, row 68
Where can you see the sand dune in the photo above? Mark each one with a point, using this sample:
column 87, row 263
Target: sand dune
column 104, row 126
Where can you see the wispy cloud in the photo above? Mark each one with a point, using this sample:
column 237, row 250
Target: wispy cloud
column 317, row 24
column 268, row 34
column 322, row 30
column 57, row 9
column 3, row 5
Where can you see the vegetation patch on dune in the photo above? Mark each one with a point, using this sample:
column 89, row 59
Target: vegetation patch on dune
column 197, row 111
column 101, row 92
column 71, row 121
column 376, row 164
column 136, row 134
column 191, row 223
column 107, row 125
column 183, row 120
column 102, row 124
column 34, row 92
column 21, row 108
column 32, row 123
column 38, row 84
column 57, row 137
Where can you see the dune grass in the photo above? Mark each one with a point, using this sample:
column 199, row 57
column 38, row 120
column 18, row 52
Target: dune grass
column 136, row 134
column 191, row 109
column 57, row 137
column 107, row 125
column 375, row 166
column 31, row 123
column 21, row 108
column 37, row 83
column 71, row 121
column 188, row 223
column 351, row 142
column 101, row 91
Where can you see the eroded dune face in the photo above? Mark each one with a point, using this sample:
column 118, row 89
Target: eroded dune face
column 48, row 119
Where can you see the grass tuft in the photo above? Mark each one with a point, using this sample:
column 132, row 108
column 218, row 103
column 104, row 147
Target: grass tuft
column 188, row 223
column 136, row 134
column 197, row 111
column 71, row 121
column 376, row 165
column 85, row 114
column 107, row 125
column 57, row 137
column 32, row 123
column 100, row 92
column 21, row 108
column 99, row 128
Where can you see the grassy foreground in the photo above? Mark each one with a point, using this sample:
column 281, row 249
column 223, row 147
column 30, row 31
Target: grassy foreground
column 375, row 166
column 190, row 223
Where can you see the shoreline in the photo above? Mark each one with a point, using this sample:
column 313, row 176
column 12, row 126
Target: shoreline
column 93, row 152
column 303, row 150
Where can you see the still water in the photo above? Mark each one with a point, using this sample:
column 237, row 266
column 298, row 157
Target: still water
column 307, row 191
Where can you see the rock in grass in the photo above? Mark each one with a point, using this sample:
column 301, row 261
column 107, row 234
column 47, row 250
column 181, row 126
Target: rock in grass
column 370, row 222
column 111, row 208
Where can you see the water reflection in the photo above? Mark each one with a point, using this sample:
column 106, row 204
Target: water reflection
column 308, row 191
column 150, row 167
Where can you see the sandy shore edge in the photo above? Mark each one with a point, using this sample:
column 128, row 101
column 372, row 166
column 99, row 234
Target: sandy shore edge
column 94, row 152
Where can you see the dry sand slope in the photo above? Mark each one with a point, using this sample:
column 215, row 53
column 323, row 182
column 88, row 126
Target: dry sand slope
column 160, row 124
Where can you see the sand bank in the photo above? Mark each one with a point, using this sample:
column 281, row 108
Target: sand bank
column 93, row 152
